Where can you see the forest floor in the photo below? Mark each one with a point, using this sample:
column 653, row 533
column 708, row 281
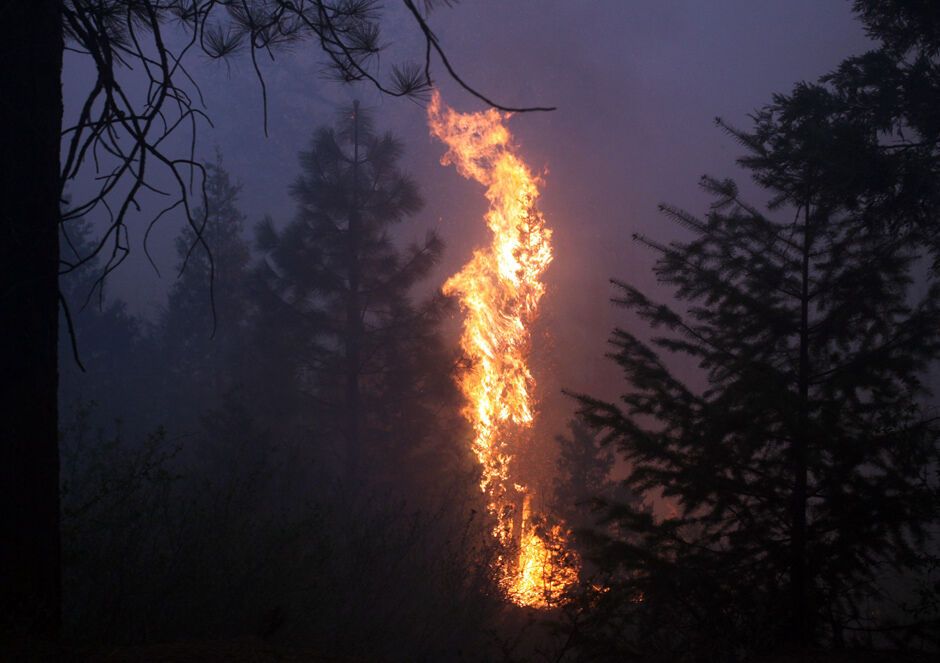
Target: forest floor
column 253, row 650
column 848, row 656
column 248, row 650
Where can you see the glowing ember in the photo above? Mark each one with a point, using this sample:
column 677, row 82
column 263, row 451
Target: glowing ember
column 499, row 290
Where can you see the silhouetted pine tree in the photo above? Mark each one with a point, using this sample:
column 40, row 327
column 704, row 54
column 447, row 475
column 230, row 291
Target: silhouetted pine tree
column 203, row 329
column 803, row 471
column 895, row 89
column 335, row 291
column 584, row 491
column 108, row 339
column 583, row 475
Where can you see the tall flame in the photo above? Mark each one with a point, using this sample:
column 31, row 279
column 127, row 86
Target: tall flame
column 499, row 290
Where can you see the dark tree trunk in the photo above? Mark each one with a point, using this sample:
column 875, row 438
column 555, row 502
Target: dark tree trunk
column 798, row 574
column 353, row 320
column 31, row 47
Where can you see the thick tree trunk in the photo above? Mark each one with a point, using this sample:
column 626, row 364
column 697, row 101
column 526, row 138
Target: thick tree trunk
column 31, row 47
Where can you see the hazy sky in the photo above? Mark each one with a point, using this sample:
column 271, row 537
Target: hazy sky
column 637, row 85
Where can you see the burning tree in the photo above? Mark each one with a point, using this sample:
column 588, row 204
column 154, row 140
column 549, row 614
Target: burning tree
column 802, row 471
column 499, row 290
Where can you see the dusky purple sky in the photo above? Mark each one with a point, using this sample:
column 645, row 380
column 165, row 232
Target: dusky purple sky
column 637, row 85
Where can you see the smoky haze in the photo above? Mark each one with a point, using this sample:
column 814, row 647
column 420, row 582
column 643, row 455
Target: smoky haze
column 310, row 468
column 636, row 86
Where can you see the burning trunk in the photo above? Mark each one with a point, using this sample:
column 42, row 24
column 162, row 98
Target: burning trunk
column 499, row 290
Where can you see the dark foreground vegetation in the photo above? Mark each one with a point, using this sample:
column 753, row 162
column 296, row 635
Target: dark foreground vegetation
column 276, row 468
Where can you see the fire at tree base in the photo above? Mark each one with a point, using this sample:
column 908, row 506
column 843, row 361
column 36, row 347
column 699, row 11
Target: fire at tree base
column 499, row 292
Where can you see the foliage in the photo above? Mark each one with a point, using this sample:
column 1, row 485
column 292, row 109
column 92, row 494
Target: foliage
column 803, row 473
column 154, row 39
column 334, row 290
column 227, row 522
column 163, row 546
column 110, row 362
column 204, row 328
column 583, row 470
column 888, row 96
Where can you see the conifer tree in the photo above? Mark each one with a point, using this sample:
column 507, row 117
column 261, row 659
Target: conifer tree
column 895, row 89
column 107, row 338
column 583, row 475
column 203, row 329
column 336, row 290
column 803, row 471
